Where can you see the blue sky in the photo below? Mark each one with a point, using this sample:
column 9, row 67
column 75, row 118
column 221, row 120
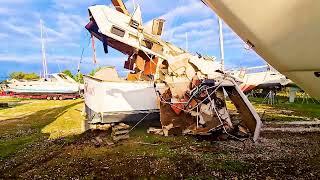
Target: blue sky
column 20, row 48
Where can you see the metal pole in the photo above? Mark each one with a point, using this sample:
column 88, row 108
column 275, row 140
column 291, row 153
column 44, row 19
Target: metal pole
column 221, row 43
column 44, row 61
column 187, row 41
column 134, row 5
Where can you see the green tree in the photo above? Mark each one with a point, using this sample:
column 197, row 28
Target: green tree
column 25, row 76
column 79, row 77
column 68, row 73
column 31, row 76
column 16, row 75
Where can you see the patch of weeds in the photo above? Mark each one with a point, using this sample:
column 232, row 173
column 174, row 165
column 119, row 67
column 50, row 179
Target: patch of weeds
column 12, row 146
column 208, row 157
column 154, row 139
column 163, row 151
column 230, row 165
column 298, row 111
column 93, row 152
column 198, row 177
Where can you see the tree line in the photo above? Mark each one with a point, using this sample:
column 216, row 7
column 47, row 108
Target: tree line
column 33, row 76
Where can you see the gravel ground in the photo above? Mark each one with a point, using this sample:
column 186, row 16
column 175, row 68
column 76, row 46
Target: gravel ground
column 279, row 155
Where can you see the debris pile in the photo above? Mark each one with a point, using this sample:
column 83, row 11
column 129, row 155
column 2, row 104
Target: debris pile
column 194, row 101
column 191, row 89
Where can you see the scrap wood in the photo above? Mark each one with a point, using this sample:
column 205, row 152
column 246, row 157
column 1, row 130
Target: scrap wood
column 103, row 127
column 119, row 128
column 97, row 141
column 144, row 143
column 157, row 131
column 121, row 137
column 109, row 143
column 120, row 132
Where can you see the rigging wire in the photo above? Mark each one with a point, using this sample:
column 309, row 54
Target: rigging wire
column 50, row 49
column 82, row 53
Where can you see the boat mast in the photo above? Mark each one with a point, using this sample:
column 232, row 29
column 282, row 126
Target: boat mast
column 44, row 60
column 221, row 43
column 187, row 45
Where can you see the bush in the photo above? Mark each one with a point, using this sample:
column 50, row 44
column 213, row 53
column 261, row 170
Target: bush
column 24, row 76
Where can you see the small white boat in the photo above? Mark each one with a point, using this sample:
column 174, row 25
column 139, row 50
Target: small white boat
column 260, row 77
column 55, row 83
column 50, row 86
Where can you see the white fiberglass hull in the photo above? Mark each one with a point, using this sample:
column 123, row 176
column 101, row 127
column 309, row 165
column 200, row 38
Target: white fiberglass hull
column 263, row 79
column 283, row 32
column 43, row 88
column 123, row 96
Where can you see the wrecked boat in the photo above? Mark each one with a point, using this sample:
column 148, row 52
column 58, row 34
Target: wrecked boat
column 188, row 90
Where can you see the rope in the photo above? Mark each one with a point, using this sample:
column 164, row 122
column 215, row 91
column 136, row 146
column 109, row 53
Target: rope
column 138, row 123
column 220, row 119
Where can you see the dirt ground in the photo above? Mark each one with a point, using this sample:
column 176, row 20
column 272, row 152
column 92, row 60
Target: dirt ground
column 29, row 152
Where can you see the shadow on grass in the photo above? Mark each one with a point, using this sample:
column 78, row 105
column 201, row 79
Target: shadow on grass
column 17, row 133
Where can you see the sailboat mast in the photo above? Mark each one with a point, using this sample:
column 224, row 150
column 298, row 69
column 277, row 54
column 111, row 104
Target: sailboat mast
column 44, row 60
column 187, row 45
column 221, row 43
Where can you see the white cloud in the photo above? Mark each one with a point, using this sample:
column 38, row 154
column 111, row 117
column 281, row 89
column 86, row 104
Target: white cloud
column 15, row 2
column 62, row 59
column 3, row 35
column 4, row 10
column 64, row 22
column 22, row 30
column 152, row 7
column 19, row 58
column 73, row 4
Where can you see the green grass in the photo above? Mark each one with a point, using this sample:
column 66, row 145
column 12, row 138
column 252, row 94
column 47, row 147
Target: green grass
column 12, row 99
column 68, row 124
column 10, row 147
column 285, row 111
column 57, row 119
column 35, row 121
column 31, row 122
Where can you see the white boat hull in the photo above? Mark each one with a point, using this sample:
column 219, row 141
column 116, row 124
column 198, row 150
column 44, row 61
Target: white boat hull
column 55, row 84
column 44, row 88
column 263, row 79
column 123, row 97
column 283, row 32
